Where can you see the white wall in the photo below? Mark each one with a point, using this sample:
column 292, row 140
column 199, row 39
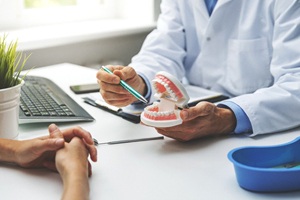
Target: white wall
column 102, row 50
column 88, row 53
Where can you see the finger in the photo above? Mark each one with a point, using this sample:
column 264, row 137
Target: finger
column 126, row 73
column 181, row 133
column 110, row 91
column 165, row 131
column 42, row 146
column 50, row 165
column 90, row 169
column 115, row 67
column 118, row 100
column 77, row 131
column 54, row 131
column 201, row 109
column 107, row 78
column 116, row 70
column 120, row 103
column 92, row 151
column 171, row 134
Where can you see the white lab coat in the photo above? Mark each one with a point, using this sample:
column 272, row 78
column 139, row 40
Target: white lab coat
column 247, row 49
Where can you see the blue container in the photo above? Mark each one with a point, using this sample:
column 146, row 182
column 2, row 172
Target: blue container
column 268, row 168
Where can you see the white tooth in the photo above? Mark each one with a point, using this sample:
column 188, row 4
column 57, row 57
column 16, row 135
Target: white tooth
column 172, row 94
column 166, row 86
column 147, row 112
column 156, row 79
column 168, row 89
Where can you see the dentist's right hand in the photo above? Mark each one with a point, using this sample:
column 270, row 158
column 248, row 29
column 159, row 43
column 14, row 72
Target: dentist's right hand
column 110, row 89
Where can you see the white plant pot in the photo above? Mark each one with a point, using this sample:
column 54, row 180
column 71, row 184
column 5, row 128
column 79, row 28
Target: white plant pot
column 9, row 111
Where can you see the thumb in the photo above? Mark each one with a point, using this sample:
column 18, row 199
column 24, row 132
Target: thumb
column 42, row 146
column 54, row 131
column 127, row 73
column 200, row 110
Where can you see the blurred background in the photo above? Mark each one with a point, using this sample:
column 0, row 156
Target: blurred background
column 84, row 32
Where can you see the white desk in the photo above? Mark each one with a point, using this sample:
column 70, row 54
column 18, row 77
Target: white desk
column 161, row 169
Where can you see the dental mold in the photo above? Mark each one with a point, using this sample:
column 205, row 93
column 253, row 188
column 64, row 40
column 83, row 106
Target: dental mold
column 172, row 96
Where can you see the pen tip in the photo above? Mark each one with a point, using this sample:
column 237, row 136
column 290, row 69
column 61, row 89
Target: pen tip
column 144, row 100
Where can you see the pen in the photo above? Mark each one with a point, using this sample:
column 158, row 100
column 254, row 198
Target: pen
column 128, row 141
column 128, row 87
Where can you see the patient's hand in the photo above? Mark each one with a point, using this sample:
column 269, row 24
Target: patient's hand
column 73, row 166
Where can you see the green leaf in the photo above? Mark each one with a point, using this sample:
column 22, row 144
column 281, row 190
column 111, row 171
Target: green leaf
column 12, row 63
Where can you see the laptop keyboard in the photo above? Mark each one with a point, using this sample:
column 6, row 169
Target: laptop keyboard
column 43, row 101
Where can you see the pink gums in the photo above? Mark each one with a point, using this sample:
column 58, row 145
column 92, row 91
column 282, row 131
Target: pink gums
column 162, row 89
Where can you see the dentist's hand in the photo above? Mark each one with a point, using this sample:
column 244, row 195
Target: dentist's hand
column 204, row 119
column 112, row 92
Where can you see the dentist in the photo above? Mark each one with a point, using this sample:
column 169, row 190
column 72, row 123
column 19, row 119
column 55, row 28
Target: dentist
column 248, row 50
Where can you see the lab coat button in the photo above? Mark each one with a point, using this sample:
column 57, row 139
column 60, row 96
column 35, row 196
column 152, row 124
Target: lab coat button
column 208, row 39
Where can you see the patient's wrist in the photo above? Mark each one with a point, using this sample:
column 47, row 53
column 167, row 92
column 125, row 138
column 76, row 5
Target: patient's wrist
column 8, row 149
column 76, row 186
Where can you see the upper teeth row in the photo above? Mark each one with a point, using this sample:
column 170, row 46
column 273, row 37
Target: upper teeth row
column 171, row 94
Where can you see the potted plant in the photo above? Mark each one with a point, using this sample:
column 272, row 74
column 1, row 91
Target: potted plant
column 11, row 65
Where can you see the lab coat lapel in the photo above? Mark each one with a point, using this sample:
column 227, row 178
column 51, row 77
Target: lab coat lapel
column 221, row 3
column 201, row 16
column 203, row 21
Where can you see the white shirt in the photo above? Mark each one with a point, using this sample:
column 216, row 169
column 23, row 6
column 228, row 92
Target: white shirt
column 248, row 50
